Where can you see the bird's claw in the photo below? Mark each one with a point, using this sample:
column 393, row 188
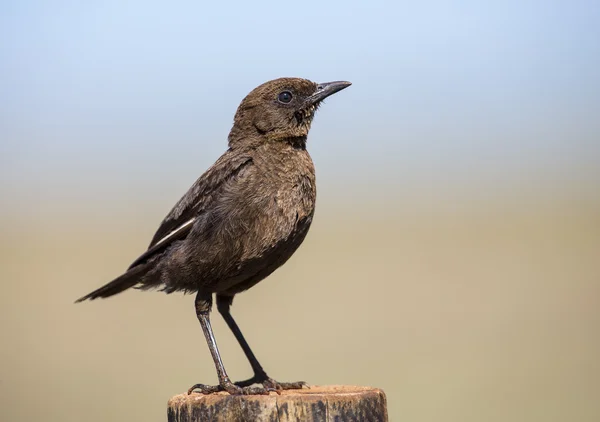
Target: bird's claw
column 278, row 387
column 231, row 388
column 248, row 387
column 271, row 385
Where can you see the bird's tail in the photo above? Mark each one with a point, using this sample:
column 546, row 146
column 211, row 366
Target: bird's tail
column 119, row 284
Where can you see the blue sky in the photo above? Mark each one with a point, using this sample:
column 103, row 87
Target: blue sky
column 115, row 96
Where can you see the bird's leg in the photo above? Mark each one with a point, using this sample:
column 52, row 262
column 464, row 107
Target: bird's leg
column 260, row 376
column 203, row 305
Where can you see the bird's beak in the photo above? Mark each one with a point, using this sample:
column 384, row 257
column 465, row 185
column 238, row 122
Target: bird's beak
column 326, row 89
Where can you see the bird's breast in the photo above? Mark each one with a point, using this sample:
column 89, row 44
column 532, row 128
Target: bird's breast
column 283, row 192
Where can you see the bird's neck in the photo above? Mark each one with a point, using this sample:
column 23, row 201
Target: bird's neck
column 248, row 137
column 296, row 141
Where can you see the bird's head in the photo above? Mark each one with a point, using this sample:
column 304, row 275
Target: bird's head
column 280, row 109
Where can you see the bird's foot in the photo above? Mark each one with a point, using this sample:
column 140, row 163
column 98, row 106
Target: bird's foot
column 280, row 386
column 270, row 384
column 231, row 388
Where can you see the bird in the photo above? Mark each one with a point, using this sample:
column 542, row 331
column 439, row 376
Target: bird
column 240, row 221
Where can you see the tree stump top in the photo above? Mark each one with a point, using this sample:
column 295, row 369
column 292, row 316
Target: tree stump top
column 317, row 403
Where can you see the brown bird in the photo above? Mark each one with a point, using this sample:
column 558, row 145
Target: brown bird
column 241, row 220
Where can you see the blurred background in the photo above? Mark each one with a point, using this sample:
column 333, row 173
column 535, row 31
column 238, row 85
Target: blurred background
column 454, row 259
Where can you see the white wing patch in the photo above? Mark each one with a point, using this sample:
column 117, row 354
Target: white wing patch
column 174, row 232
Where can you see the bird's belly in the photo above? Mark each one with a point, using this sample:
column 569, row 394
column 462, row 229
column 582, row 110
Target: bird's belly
column 238, row 260
column 254, row 269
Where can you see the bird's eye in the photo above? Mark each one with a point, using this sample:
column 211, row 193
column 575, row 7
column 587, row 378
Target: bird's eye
column 285, row 97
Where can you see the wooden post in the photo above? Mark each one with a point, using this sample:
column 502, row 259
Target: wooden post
column 337, row 403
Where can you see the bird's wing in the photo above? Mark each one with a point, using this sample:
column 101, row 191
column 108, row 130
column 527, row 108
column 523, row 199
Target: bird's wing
column 178, row 234
column 179, row 222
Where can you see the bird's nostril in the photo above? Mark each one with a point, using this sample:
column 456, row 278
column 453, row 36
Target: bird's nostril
column 319, row 87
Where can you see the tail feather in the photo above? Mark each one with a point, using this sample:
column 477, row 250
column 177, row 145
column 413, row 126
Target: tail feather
column 119, row 284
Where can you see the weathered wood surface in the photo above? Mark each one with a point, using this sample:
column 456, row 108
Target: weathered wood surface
column 319, row 403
